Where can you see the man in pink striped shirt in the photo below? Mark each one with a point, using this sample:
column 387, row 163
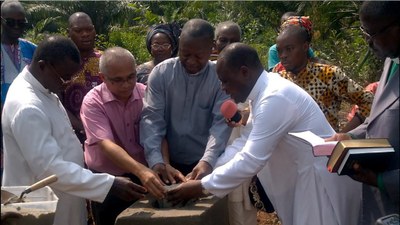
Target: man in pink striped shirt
column 110, row 114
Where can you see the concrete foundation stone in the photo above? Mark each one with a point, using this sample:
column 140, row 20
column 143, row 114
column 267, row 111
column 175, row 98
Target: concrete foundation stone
column 205, row 211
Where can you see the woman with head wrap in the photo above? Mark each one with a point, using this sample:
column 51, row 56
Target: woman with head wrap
column 273, row 58
column 326, row 83
column 162, row 43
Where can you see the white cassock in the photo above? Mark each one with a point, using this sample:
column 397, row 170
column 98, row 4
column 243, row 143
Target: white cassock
column 298, row 184
column 39, row 141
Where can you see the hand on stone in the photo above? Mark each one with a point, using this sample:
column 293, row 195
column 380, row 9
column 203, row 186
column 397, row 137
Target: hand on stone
column 184, row 192
column 127, row 190
column 169, row 174
column 201, row 170
column 152, row 182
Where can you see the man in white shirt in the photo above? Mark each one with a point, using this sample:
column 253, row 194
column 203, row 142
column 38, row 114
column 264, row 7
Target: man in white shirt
column 298, row 184
column 39, row 140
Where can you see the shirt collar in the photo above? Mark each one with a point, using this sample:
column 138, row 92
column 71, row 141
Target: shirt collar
column 28, row 76
column 198, row 73
column 258, row 87
column 396, row 60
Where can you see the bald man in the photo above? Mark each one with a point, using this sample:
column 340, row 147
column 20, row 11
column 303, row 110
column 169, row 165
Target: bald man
column 82, row 32
column 182, row 104
column 227, row 32
column 241, row 211
column 110, row 114
column 298, row 184
column 39, row 140
column 16, row 52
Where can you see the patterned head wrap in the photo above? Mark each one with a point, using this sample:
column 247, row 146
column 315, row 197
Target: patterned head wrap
column 301, row 21
column 172, row 30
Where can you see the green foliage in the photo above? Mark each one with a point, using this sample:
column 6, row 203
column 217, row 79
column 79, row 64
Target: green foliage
column 124, row 23
column 132, row 39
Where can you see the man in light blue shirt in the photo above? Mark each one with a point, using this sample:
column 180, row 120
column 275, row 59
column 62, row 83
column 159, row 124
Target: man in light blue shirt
column 182, row 105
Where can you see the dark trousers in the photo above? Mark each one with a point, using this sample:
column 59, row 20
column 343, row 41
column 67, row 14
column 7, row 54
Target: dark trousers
column 106, row 213
column 183, row 168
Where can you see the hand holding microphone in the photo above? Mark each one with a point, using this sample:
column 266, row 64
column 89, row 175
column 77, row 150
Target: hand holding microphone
column 230, row 112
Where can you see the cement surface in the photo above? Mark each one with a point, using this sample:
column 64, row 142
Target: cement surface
column 205, row 211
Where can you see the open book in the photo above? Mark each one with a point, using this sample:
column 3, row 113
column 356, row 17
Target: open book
column 318, row 144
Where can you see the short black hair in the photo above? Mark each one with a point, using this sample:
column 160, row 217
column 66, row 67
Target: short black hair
column 381, row 9
column 55, row 49
column 197, row 28
column 238, row 54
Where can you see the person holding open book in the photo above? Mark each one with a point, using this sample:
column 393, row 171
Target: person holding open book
column 298, row 184
column 380, row 24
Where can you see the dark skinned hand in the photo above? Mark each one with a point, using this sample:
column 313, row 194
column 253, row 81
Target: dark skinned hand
column 169, row 174
column 201, row 170
column 364, row 175
column 184, row 192
column 127, row 190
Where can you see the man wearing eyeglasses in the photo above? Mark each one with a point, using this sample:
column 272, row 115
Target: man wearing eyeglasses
column 380, row 23
column 110, row 114
column 16, row 53
column 39, row 140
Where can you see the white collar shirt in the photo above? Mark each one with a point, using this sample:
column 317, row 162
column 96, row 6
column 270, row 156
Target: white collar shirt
column 39, row 141
column 298, row 184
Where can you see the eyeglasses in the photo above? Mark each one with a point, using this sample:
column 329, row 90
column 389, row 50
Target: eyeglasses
column 120, row 81
column 13, row 22
column 160, row 46
column 383, row 30
column 59, row 76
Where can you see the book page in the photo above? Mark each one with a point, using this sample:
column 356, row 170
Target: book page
column 320, row 147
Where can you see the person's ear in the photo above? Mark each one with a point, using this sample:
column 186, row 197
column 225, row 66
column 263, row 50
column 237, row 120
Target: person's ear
column 41, row 64
column 244, row 71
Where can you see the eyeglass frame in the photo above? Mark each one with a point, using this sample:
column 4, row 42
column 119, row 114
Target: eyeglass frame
column 59, row 76
column 164, row 46
column 20, row 23
column 119, row 81
column 383, row 30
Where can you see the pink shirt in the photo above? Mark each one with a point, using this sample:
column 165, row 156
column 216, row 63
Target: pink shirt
column 105, row 117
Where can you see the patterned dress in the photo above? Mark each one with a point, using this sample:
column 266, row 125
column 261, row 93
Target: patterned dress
column 81, row 83
column 328, row 85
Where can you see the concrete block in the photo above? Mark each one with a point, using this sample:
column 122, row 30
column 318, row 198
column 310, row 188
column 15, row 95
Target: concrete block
column 204, row 211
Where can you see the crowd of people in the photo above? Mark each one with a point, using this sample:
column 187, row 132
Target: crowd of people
column 114, row 131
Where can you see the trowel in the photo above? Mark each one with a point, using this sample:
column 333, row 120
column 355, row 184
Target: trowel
column 12, row 198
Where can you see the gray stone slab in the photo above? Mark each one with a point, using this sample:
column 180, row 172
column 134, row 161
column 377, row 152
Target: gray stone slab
column 205, row 211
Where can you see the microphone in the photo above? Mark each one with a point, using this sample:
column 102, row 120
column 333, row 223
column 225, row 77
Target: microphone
column 230, row 112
